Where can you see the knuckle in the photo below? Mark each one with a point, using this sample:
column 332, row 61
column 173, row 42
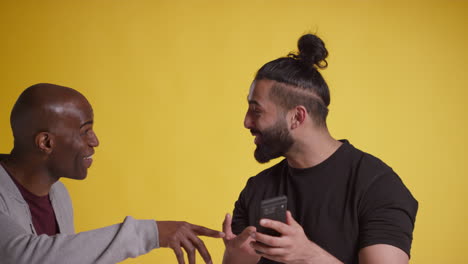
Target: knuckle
column 191, row 250
column 178, row 253
column 199, row 242
column 173, row 240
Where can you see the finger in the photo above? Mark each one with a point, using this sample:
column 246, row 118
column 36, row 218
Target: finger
column 227, row 226
column 200, row 246
column 269, row 240
column 204, row 231
column 190, row 250
column 281, row 227
column 267, row 250
column 244, row 236
column 179, row 255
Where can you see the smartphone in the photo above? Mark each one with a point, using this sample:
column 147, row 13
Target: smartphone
column 274, row 209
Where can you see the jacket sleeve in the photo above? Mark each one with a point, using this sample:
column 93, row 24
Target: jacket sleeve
column 110, row 244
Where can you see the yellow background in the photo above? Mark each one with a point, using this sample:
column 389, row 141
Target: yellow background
column 168, row 81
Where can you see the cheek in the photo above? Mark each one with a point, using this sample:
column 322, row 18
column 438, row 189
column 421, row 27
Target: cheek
column 266, row 122
column 78, row 143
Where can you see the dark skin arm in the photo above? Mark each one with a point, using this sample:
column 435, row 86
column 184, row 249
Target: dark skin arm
column 178, row 235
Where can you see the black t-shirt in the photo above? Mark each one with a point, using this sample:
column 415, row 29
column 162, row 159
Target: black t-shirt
column 349, row 201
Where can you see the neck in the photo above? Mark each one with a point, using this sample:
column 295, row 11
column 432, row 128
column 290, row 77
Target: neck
column 312, row 148
column 29, row 174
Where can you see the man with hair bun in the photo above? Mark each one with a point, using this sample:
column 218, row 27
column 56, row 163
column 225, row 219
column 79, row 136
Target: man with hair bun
column 344, row 205
column 54, row 138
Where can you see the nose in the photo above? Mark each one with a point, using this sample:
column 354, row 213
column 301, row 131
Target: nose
column 248, row 122
column 93, row 139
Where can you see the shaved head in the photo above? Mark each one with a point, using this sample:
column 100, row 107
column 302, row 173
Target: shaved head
column 53, row 137
column 38, row 109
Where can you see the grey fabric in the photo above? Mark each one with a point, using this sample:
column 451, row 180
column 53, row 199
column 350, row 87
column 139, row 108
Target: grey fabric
column 19, row 243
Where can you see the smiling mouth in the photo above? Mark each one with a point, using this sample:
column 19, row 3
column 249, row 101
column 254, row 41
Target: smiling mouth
column 257, row 136
column 88, row 160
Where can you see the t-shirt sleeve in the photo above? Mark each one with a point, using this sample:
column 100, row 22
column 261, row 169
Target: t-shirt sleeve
column 387, row 213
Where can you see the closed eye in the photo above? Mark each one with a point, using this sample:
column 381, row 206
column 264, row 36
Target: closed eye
column 255, row 109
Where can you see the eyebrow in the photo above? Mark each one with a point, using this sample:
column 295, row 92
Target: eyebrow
column 90, row 122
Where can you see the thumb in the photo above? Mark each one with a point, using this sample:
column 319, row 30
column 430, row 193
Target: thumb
column 290, row 220
column 244, row 236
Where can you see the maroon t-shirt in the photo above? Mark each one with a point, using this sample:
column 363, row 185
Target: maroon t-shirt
column 42, row 212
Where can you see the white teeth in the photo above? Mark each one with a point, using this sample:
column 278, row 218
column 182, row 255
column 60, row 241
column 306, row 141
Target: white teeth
column 89, row 157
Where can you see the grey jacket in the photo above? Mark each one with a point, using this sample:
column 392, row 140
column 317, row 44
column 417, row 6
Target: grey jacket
column 19, row 243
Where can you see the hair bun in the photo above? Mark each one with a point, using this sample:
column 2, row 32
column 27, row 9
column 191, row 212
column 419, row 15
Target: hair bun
column 312, row 51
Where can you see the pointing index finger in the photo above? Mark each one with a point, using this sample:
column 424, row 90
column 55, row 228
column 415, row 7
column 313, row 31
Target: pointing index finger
column 204, row 231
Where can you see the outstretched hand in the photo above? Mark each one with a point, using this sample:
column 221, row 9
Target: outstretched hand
column 292, row 247
column 238, row 249
column 178, row 235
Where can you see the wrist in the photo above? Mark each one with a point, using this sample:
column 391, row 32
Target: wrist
column 317, row 254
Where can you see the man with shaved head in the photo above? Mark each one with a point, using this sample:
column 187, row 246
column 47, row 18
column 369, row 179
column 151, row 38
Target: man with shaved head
column 54, row 138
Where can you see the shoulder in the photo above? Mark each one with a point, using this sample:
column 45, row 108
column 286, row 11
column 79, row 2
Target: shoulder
column 367, row 167
column 380, row 184
column 372, row 176
column 366, row 161
column 386, row 208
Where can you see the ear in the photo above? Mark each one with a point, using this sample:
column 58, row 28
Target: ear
column 298, row 117
column 45, row 142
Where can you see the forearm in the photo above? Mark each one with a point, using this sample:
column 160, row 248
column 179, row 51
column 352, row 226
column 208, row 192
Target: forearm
column 319, row 255
column 323, row 259
column 110, row 244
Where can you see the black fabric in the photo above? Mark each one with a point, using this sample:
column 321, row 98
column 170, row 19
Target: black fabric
column 349, row 201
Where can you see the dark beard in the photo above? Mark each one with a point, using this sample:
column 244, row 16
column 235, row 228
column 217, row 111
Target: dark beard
column 276, row 141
